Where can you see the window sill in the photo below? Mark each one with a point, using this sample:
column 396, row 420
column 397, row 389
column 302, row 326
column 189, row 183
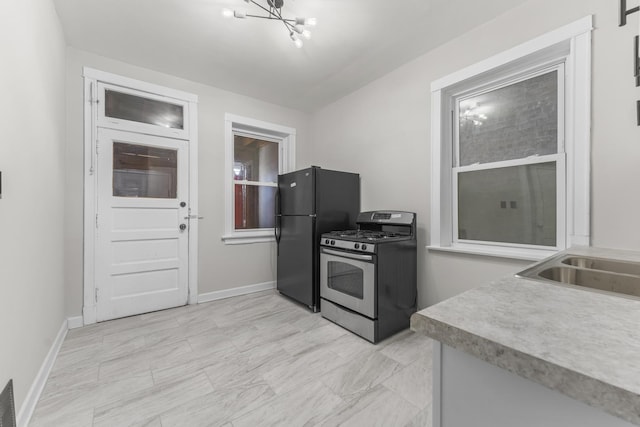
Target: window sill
column 244, row 239
column 498, row 252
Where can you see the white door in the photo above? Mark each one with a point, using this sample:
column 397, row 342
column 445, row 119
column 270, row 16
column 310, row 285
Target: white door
column 141, row 257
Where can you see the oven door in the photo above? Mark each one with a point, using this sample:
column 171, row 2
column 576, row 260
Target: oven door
column 348, row 279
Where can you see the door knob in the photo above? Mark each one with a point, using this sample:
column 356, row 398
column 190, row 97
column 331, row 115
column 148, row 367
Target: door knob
column 183, row 204
column 183, row 227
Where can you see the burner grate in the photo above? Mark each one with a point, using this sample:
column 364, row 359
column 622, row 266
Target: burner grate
column 364, row 234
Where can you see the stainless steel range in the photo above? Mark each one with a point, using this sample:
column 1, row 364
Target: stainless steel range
column 368, row 275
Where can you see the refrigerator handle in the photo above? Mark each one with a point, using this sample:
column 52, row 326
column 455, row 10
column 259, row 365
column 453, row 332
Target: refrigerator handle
column 276, row 229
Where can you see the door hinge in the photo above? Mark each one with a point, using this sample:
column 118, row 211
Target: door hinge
column 97, row 147
column 96, row 294
column 96, row 220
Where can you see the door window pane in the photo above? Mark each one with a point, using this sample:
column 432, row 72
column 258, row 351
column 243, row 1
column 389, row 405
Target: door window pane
column 345, row 278
column 142, row 171
column 254, row 206
column 511, row 205
column 144, row 110
column 255, row 159
column 512, row 122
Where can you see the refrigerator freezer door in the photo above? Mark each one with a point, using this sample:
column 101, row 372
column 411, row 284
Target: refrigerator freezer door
column 296, row 256
column 296, row 192
column 337, row 200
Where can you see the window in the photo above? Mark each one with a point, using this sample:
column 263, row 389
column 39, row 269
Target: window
column 256, row 152
column 119, row 105
column 510, row 161
column 142, row 171
column 510, row 150
column 255, row 174
column 143, row 111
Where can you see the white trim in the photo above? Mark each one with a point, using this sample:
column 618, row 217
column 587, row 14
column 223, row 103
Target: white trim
column 286, row 138
column 30, row 402
column 578, row 135
column 575, row 29
column 497, row 251
column 570, row 44
column 91, row 121
column 75, row 322
column 104, row 76
column 194, row 209
column 90, row 197
column 234, row 292
column 238, row 239
column 254, row 125
column 523, row 161
column 440, row 187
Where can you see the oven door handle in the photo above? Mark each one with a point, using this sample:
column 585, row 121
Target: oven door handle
column 347, row 255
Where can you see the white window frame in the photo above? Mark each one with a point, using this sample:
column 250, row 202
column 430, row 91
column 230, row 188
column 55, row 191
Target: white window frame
column 569, row 45
column 285, row 137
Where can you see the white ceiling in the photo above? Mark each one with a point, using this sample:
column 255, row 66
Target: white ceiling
column 354, row 43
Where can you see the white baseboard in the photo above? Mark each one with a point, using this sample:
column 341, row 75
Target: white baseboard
column 242, row 290
column 30, row 402
column 75, row 322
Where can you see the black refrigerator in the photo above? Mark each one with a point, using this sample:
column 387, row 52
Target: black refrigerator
column 310, row 202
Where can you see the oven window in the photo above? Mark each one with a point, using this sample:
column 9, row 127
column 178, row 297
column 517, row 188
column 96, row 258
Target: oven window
column 345, row 278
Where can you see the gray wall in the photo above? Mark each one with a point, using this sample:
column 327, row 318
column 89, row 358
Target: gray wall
column 476, row 393
column 32, row 204
column 382, row 131
column 220, row 266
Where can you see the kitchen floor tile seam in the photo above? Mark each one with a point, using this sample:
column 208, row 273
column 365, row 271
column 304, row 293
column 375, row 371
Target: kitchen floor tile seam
column 396, row 367
column 86, row 398
column 382, row 384
column 260, row 376
column 154, row 371
column 227, row 389
column 140, row 330
column 278, row 396
column 332, row 356
column 337, row 418
column 144, row 351
column 146, row 393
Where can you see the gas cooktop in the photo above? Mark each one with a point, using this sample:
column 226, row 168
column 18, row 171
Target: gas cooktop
column 374, row 228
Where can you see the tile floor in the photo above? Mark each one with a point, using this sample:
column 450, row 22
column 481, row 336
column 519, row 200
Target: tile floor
column 255, row 360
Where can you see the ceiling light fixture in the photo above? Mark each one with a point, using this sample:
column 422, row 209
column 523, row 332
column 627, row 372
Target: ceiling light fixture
column 294, row 26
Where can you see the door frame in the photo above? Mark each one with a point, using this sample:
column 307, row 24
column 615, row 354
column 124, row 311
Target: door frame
column 91, row 79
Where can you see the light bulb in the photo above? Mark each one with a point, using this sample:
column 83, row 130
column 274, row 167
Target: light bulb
column 296, row 40
column 298, row 29
column 310, row 21
column 306, row 34
column 227, row 13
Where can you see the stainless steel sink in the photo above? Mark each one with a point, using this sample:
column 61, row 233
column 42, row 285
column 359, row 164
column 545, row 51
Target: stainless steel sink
column 603, row 275
column 603, row 264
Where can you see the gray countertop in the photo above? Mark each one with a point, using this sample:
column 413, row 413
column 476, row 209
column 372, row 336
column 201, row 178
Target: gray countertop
column 583, row 344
